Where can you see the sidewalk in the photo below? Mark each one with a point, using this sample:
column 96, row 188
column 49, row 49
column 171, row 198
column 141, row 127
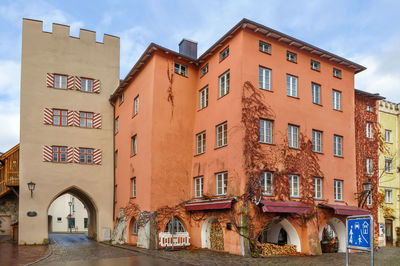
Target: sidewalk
column 12, row 254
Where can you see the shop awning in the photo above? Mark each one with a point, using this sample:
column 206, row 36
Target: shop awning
column 285, row 207
column 345, row 210
column 212, row 204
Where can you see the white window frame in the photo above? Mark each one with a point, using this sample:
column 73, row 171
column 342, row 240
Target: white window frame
column 60, row 81
column 264, row 47
column 224, row 54
column 134, row 227
column 318, row 188
column 293, row 136
column 121, row 98
column 389, row 165
column 267, row 183
column 266, row 131
column 316, row 93
column 204, row 70
column 315, row 65
column 203, row 97
column 264, row 80
column 134, row 145
column 57, row 113
column 180, row 69
column 388, row 136
column 223, row 86
column 221, row 183
column 291, row 57
column 338, row 145
column 86, row 85
column 369, row 166
column 337, row 100
column 86, row 119
column 198, row 187
column 292, row 85
column 369, row 199
column 294, row 185
column 388, row 195
column 136, row 105
column 337, row 73
column 338, row 190
column 370, row 108
column 368, row 129
column 201, row 143
column 317, row 141
column 133, row 187
column 221, row 131
column 116, row 125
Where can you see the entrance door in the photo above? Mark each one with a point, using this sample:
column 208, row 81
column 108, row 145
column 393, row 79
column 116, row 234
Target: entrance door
column 5, row 225
column 389, row 232
column 216, row 236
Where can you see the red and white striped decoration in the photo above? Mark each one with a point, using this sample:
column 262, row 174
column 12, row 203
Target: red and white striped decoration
column 96, row 86
column 70, row 154
column 48, row 116
column 50, row 80
column 70, row 118
column 97, row 156
column 70, row 82
column 76, row 155
column 47, row 154
column 96, row 120
column 77, row 83
column 76, row 118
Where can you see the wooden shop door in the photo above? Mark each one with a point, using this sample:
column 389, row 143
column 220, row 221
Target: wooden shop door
column 389, row 232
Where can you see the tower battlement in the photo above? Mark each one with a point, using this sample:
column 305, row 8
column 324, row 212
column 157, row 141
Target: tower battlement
column 63, row 31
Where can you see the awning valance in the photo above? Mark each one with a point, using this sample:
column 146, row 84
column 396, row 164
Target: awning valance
column 345, row 210
column 285, row 207
column 212, row 204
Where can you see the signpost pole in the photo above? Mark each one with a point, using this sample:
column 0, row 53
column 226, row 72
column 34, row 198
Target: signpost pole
column 357, row 235
column 347, row 249
column 372, row 240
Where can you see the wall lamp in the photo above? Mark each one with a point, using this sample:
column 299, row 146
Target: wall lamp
column 31, row 187
column 367, row 189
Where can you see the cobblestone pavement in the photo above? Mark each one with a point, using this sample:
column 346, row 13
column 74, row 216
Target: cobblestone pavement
column 12, row 254
column 388, row 256
column 77, row 249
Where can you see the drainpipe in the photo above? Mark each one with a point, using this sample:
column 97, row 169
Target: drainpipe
column 113, row 151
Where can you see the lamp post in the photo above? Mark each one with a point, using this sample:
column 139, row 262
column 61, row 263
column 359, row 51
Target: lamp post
column 31, row 187
column 69, row 219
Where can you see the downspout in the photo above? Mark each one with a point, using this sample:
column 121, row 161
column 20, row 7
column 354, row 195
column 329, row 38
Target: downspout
column 113, row 151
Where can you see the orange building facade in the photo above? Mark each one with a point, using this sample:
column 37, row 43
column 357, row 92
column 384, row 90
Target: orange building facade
column 252, row 141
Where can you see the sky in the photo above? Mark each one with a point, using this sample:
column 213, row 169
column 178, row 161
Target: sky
column 364, row 31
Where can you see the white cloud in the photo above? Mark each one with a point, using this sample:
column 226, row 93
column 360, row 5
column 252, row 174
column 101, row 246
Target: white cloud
column 383, row 71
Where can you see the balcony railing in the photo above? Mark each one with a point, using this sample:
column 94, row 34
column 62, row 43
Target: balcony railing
column 12, row 180
column 3, row 187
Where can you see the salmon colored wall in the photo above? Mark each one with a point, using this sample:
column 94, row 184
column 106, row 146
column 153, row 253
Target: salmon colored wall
column 302, row 112
column 138, row 166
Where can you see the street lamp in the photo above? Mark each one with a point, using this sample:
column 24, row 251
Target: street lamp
column 31, row 187
column 69, row 219
column 367, row 186
column 367, row 189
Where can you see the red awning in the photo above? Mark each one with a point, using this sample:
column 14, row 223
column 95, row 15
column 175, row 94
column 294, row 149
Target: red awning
column 345, row 210
column 285, row 206
column 213, row 204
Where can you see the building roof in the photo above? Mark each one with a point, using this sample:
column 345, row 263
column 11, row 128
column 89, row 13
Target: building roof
column 374, row 96
column 244, row 23
column 10, row 151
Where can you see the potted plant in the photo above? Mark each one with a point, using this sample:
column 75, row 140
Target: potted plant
column 328, row 242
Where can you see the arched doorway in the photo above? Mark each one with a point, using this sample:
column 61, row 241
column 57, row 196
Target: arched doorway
column 212, row 235
column 73, row 197
column 133, row 231
column 334, row 231
column 281, row 233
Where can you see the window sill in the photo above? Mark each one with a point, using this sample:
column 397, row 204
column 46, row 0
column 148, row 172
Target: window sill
column 338, row 200
column 220, row 194
column 266, row 90
column 389, row 173
column 133, row 116
column 266, row 143
column 295, row 62
column 220, row 60
column 337, row 110
column 388, row 202
column 295, row 197
column 318, row 104
column 133, row 197
column 317, row 70
column 338, row 156
column 133, row 155
column 294, row 97
column 318, row 199
column 216, row 148
column 198, row 154
column 202, row 108
column 64, row 89
column 267, row 195
column 264, row 52
column 220, row 97
column 294, row 148
column 318, row 152
column 337, row 77
column 182, row 75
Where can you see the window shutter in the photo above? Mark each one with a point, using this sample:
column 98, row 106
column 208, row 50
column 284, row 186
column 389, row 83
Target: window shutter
column 48, row 116
column 76, row 118
column 76, row 155
column 96, row 86
column 97, row 156
column 97, row 120
column 47, row 154
column 70, row 154
column 71, row 116
column 77, row 83
column 70, row 82
column 50, row 80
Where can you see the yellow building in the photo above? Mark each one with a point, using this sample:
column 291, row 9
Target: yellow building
column 389, row 118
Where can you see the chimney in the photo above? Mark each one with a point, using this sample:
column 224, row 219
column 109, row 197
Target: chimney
column 188, row 48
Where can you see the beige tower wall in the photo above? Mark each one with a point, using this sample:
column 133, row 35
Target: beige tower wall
column 57, row 52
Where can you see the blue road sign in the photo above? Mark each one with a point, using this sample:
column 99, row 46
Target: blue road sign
column 359, row 233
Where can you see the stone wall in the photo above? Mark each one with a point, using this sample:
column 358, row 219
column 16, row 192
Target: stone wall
column 9, row 206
